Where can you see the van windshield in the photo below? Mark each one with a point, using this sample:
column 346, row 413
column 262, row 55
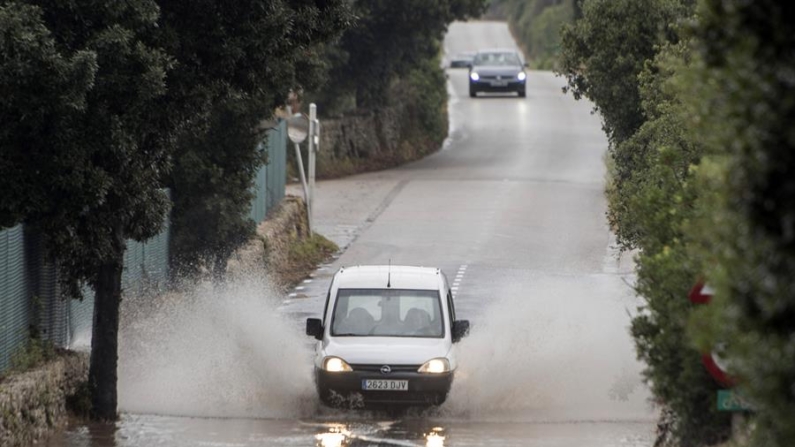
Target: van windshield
column 387, row 313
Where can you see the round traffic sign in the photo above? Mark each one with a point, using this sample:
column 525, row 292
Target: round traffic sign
column 297, row 127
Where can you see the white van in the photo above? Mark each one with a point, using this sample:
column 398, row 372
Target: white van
column 386, row 337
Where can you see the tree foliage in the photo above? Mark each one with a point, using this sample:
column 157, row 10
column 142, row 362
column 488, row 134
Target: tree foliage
column 605, row 51
column 703, row 186
column 744, row 83
column 101, row 96
column 235, row 63
column 390, row 40
column 536, row 24
column 82, row 147
column 658, row 202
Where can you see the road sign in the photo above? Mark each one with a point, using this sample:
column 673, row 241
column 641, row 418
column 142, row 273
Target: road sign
column 297, row 127
column 714, row 363
column 701, row 293
column 731, row 400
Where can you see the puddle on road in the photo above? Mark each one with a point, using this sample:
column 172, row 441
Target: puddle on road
column 224, row 367
column 552, row 349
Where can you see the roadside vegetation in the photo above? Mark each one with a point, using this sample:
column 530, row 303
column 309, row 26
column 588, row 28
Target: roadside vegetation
column 117, row 114
column 32, row 354
column 536, row 26
column 385, row 73
column 697, row 102
column 107, row 104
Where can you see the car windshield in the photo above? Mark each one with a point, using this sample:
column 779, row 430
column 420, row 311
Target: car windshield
column 497, row 59
column 387, row 313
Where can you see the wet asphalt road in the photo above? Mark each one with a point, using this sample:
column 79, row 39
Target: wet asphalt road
column 512, row 210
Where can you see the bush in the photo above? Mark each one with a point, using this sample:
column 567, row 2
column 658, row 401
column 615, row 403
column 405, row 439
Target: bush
column 742, row 110
column 35, row 352
column 425, row 93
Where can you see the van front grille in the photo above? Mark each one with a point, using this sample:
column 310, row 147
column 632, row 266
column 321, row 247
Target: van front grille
column 377, row 368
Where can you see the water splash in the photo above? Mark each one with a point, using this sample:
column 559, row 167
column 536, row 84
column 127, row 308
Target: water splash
column 553, row 348
column 214, row 352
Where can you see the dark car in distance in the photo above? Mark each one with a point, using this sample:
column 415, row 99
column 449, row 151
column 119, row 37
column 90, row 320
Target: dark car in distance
column 462, row 60
column 497, row 71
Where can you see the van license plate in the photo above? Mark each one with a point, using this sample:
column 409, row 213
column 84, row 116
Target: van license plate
column 385, row 385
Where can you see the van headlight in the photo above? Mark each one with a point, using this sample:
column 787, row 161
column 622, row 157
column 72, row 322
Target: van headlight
column 521, row 76
column 435, row 366
column 474, row 76
column 336, row 364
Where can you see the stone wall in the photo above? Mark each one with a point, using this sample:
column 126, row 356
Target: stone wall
column 33, row 403
column 364, row 135
column 368, row 141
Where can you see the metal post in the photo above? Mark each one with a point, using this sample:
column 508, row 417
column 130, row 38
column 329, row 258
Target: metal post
column 300, row 159
column 312, row 145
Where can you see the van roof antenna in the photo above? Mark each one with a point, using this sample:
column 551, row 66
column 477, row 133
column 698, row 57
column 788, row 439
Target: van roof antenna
column 389, row 274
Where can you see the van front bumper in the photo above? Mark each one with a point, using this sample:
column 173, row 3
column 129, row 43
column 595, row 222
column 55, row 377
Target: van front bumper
column 345, row 389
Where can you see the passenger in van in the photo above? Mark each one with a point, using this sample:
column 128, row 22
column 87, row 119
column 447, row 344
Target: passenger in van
column 358, row 322
column 417, row 322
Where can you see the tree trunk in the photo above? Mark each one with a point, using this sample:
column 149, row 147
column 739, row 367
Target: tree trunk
column 102, row 374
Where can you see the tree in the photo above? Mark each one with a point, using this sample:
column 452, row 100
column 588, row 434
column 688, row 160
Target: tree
column 658, row 199
column 82, row 147
column 391, row 39
column 631, row 60
column 97, row 95
column 536, row 24
column 235, row 63
column 742, row 110
column 604, row 52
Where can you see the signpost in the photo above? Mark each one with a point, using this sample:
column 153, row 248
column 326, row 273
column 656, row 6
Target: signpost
column 313, row 143
column 299, row 127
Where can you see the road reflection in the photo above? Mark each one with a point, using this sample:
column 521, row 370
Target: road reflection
column 336, row 436
column 349, row 430
column 435, row 438
column 408, row 433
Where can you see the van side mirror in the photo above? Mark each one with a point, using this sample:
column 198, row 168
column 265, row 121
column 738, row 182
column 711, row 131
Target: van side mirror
column 460, row 330
column 314, row 328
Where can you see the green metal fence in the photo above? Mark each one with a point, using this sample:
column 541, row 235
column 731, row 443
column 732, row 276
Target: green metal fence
column 15, row 303
column 270, row 180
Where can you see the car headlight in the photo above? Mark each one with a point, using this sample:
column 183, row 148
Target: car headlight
column 521, row 76
column 336, row 364
column 435, row 366
column 474, row 76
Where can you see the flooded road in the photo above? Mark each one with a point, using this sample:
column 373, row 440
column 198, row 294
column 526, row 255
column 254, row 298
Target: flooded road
column 341, row 431
column 512, row 211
